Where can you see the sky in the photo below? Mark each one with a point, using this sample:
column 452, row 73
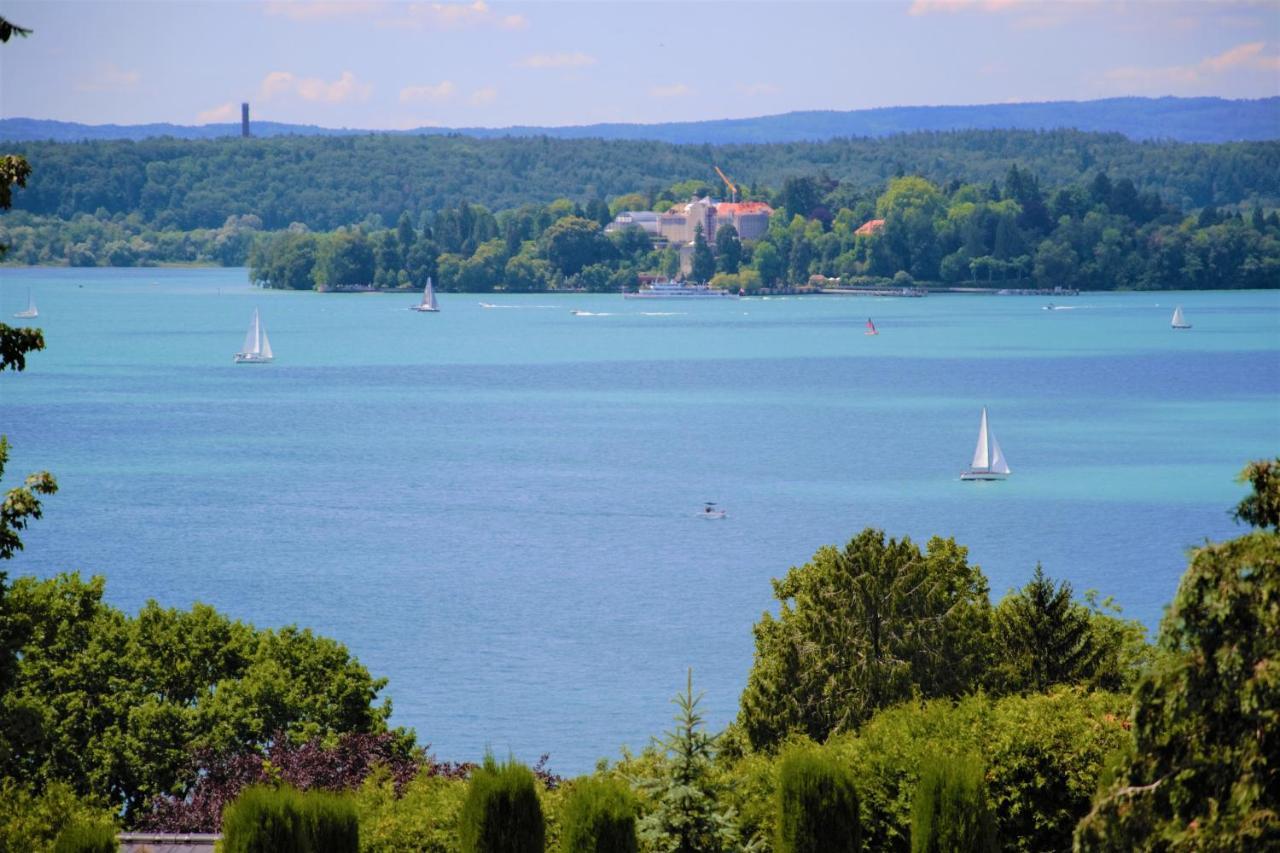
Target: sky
column 394, row 64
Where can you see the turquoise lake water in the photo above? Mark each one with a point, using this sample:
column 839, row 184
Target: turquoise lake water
column 495, row 507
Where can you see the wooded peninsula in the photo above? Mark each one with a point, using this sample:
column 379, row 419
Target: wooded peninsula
column 991, row 208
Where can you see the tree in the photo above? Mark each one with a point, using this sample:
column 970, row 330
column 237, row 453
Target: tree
column 502, row 813
column 728, row 249
column 768, row 263
column 344, row 258
column 115, row 705
column 1261, row 508
column 1044, row 638
column 949, row 812
column 817, row 804
column 704, row 263
column 573, row 243
column 687, row 816
column 860, row 628
column 1055, row 264
column 1202, row 772
column 599, row 817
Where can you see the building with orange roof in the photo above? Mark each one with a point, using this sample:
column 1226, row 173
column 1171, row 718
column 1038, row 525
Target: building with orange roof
column 870, row 227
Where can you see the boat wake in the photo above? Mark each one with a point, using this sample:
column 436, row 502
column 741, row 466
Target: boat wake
column 592, row 313
column 662, row 313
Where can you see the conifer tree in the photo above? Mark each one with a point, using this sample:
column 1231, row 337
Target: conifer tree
column 704, row 263
column 1044, row 637
column 687, row 817
column 950, row 812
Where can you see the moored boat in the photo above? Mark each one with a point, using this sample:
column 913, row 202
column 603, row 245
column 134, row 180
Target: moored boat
column 679, row 290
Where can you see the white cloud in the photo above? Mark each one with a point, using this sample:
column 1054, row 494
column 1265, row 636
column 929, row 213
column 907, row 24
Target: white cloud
column 675, row 90
column 557, row 60
column 219, row 114
column 484, row 96
column 1247, row 56
column 754, row 90
column 452, row 16
column 286, row 83
column 428, row 92
column 109, row 78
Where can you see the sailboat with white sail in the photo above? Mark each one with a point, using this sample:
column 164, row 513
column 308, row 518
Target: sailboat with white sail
column 257, row 347
column 31, row 311
column 428, row 302
column 1179, row 322
column 988, row 460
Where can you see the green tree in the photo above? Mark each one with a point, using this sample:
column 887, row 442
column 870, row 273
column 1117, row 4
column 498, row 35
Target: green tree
column 573, row 243
column 344, row 258
column 1055, row 264
column 599, row 816
column 114, row 704
column 768, row 263
column 502, row 813
column 728, row 249
column 687, row 815
column 950, row 813
column 704, row 262
column 1260, row 508
column 1201, row 773
column 863, row 627
column 285, row 261
column 817, row 804
column 1044, row 638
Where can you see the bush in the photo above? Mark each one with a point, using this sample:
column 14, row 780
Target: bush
column 599, row 817
column 949, row 813
column 330, row 822
column 31, row 822
column 421, row 817
column 817, row 804
column 502, row 813
column 284, row 820
column 86, row 837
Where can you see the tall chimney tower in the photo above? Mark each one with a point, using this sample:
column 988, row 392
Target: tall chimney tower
column 244, row 120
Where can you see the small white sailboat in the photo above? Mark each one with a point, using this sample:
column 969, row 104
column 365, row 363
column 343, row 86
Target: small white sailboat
column 988, row 460
column 31, row 311
column 428, row 302
column 1179, row 322
column 871, row 328
column 257, row 347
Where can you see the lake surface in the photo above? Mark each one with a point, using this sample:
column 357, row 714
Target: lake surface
column 496, row 506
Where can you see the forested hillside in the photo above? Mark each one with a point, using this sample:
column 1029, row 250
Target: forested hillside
column 1181, row 119
column 327, row 182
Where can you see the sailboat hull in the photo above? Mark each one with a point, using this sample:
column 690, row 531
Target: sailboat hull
column 424, row 309
column 983, row 475
column 251, row 358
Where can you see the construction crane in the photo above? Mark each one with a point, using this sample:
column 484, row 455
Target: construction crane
column 733, row 190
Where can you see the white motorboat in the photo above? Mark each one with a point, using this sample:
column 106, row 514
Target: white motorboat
column 988, row 460
column 257, row 347
column 712, row 512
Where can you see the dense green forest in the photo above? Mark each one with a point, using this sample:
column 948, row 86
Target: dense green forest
column 327, row 182
column 1000, row 208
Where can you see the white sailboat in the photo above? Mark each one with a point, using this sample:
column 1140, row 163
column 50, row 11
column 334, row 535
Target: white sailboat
column 257, row 347
column 988, row 460
column 1179, row 322
column 31, row 311
column 428, row 302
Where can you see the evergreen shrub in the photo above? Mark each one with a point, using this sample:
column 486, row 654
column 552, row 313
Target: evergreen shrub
column 502, row 813
column 267, row 819
column 817, row 804
column 599, row 817
column 86, row 837
column 949, row 813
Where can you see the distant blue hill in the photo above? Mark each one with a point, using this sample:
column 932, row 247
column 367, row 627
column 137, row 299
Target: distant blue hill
column 1180, row 119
